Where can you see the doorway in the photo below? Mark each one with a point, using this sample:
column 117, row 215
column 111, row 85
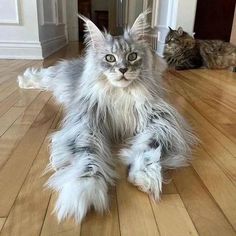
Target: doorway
column 214, row 19
column 95, row 10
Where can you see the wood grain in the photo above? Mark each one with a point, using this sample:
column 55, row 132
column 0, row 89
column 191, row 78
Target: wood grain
column 103, row 225
column 31, row 196
column 2, row 221
column 170, row 211
column 11, row 138
column 134, row 203
column 8, row 119
column 52, row 227
column 200, row 200
column 220, row 187
column 203, row 210
column 22, row 158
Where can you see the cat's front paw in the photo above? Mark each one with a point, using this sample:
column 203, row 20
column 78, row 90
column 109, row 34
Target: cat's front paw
column 77, row 197
column 147, row 178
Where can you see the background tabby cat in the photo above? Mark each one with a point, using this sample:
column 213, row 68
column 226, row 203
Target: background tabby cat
column 182, row 52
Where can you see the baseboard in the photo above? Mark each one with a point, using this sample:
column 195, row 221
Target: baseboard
column 52, row 45
column 20, row 50
column 31, row 50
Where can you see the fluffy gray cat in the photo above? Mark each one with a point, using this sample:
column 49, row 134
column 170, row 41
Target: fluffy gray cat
column 113, row 94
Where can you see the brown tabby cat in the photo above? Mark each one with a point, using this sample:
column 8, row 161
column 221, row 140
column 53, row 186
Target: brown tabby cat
column 183, row 52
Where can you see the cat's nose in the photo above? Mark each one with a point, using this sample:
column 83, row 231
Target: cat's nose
column 123, row 70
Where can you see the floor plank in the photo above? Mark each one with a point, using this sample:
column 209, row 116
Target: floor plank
column 6, row 104
column 184, row 102
column 134, row 203
column 171, row 211
column 52, row 227
column 10, row 139
column 2, row 221
column 8, row 118
column 22, row 158
column 103, row 225
column 201, row 199
column 220, row 187
column 204, row 212
column 31, row 196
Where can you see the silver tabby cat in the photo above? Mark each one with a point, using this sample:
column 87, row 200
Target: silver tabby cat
column 113, row 94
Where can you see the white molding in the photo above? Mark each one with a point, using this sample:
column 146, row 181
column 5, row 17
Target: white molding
column 52, row 45
column 42, row 16
column 56, row 4
column 17, row 19
column 32, row 49
column 126, row 12
column 160, row 48
column 119, row 14
column 145, row 4
column 12, row 43
column 72, row 22
column 20, row 50
column 155, row 13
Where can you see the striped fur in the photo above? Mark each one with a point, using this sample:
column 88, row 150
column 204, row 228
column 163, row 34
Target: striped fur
column 184, row 52
column 103, row 106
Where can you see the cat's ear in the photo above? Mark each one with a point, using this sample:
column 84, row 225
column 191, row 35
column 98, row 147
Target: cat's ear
column 93, row 36
column 180, row 31
column 170, row 29
column 140, row 26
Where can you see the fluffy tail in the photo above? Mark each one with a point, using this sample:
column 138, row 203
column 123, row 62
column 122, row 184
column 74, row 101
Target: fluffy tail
column 60, row 79
column 33, row 79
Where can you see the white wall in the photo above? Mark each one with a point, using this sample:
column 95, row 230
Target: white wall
column 31, row 29
column 19, row 37
column 51, row 25
column 135, row 7
column 186, row 14
column 72, row 20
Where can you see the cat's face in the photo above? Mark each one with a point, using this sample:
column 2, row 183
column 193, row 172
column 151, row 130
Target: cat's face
column 119, row 58
column 176, row 37
column 121, row 61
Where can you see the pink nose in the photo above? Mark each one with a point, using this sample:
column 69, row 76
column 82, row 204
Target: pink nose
column 123, row 70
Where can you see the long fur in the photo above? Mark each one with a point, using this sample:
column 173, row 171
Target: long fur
column 183, row 52
column 100, row 110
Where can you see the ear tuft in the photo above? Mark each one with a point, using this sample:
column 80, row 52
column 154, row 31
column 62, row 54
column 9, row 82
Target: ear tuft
column 93, row 36
column 180, row 31
column 140, row 26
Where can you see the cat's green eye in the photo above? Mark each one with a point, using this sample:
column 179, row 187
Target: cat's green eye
column 110, row 58
column 132, row 56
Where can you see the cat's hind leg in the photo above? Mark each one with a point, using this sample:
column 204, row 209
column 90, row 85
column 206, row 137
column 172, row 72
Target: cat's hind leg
column 83, row 169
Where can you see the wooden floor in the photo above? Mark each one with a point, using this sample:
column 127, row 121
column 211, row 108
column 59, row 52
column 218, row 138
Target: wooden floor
column 201, row 199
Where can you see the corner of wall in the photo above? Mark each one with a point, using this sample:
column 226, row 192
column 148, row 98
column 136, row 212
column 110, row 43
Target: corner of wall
column 52, row 45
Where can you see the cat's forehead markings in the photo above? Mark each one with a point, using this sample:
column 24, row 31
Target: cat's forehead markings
column 119, row 43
